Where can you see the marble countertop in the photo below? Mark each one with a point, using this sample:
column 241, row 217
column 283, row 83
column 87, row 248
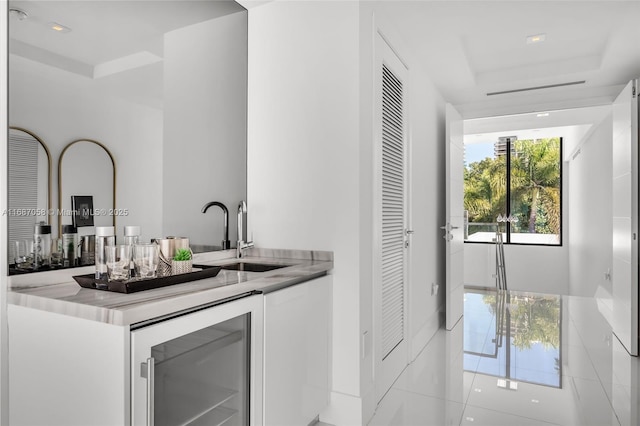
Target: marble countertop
column 57, row 292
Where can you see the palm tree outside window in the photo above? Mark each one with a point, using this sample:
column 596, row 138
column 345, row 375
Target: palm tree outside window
column 517, row 178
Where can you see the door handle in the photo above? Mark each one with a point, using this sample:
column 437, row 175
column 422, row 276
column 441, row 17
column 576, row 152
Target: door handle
column 148, row 371
column 409, row 231
column 448, row 227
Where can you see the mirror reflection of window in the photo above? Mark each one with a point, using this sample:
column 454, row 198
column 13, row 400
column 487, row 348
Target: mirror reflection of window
column 28, row 198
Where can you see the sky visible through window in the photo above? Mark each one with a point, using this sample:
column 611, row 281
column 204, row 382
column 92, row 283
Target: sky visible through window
column 474, row 152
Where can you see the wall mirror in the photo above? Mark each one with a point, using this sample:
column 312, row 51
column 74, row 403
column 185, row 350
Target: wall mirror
column 162, row 84
column 30, row 183
column 87, row 170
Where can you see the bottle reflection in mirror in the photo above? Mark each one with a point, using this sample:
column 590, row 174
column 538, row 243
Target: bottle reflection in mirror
column 87, row 250
column 42, row 245
column 70, row 246
column 56, row 252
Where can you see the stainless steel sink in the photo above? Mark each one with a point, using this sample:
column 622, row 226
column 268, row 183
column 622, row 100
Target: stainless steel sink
column 204, row 248
column 252, row 267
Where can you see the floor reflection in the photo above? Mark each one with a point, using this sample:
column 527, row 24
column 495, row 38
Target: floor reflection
column 519, row 359
column 523, row 342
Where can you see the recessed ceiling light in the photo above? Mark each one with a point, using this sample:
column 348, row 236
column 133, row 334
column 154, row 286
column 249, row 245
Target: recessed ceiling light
column 59, row 28
column 542, row 114
column 538, row 38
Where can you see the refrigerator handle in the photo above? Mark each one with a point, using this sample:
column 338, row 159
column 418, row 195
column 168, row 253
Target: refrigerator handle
column 147, row 371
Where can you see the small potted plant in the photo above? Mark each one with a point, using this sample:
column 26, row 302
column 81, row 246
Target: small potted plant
column 182, row 261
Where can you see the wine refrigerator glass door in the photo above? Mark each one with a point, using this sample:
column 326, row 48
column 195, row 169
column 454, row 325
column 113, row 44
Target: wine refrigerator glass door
column 200, row 368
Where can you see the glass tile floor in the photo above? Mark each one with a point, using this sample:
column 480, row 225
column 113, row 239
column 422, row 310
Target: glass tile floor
column 519, row 359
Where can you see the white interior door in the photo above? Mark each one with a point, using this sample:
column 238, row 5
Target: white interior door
column 453, row 228
column 390, row 206
column 625, row 217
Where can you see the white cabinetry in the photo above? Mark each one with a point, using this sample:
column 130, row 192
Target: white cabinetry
column 69, row 371
column 297, row 322
column 66, row 371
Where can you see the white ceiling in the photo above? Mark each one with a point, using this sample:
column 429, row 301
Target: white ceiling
column 471, row 48
column 107, row 37
column 468, row 48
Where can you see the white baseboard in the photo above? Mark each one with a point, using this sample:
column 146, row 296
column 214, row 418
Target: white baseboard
column 426, row 332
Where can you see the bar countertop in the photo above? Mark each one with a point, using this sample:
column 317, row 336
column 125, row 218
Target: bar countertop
column 57, row 291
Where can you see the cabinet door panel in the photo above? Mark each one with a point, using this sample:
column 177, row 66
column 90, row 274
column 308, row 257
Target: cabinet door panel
column 297, row 352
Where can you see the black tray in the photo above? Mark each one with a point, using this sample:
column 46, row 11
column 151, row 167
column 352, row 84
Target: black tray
column 131, row 286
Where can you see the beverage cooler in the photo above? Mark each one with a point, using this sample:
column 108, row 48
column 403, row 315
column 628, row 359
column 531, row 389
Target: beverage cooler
column 200, row 368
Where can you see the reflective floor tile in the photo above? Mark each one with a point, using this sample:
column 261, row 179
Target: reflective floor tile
column 401, row 408
column 476, row 416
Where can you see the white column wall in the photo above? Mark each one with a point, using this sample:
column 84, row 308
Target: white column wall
column 303, row 153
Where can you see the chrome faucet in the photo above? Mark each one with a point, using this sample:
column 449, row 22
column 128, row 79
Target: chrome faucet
column 226, row 244
column 242, row 244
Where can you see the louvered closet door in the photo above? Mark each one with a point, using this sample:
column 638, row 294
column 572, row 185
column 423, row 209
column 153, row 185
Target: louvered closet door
column 390, row 206
column 392, row 212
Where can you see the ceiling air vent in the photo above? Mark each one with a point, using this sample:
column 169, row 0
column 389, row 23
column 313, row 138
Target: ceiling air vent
column 525, row 89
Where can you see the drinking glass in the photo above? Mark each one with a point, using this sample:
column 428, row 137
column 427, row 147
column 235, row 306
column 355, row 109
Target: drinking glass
column 118, row 260
column 145, row 260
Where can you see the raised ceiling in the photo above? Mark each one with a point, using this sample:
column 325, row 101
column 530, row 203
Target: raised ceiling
column 107, row 38
column 471, row 48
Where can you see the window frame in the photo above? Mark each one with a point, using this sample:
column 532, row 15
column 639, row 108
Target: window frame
column 508, row 202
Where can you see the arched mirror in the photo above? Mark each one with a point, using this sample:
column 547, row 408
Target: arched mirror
column 29, row 199
column 86, row 186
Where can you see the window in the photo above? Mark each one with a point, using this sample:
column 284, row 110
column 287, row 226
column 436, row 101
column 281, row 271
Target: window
column 516, row 179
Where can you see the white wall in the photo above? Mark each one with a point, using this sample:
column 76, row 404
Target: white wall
column 205, row 90
column 310, row 162
column 61, row 107
column 590, row 247
column 538, row 269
